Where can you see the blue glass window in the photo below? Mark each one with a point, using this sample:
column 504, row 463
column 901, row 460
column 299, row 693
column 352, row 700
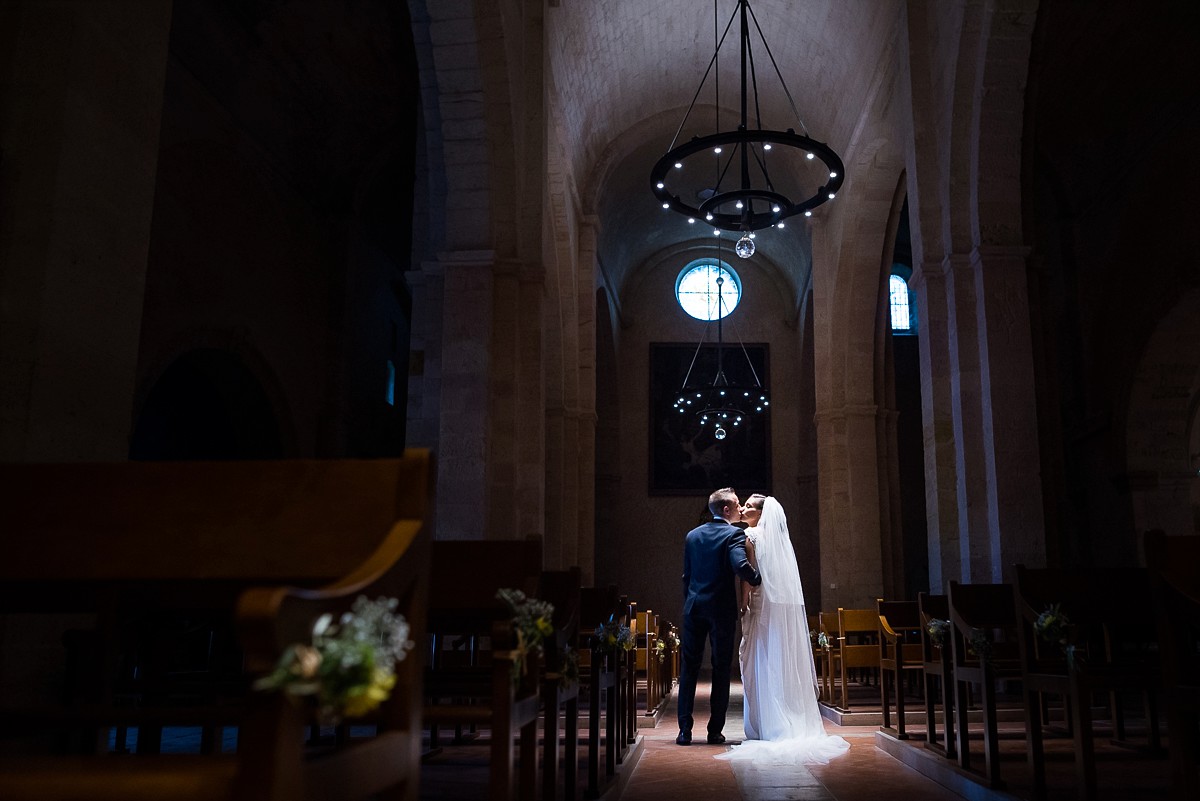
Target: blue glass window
column 696, row 289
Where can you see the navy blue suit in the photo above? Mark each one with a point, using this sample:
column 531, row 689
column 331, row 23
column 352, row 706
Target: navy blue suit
column 712, row 555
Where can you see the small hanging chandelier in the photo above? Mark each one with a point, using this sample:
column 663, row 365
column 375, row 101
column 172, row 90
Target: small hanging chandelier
column 718, row 405
column 749, row 200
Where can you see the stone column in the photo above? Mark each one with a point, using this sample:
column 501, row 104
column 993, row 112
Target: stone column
column 966, row 402
column 937, row 422
column 1016, row 523
column 585, row 301
column 851, row 546
column 80, row 153
column 464, row 479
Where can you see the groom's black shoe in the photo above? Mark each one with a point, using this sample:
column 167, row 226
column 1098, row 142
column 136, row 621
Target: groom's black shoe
column 716, row 739
column 684, row 738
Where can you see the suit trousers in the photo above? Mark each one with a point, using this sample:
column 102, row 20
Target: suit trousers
column 697, row 628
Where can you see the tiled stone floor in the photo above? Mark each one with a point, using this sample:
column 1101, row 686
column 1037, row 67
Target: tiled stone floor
column 667, row 772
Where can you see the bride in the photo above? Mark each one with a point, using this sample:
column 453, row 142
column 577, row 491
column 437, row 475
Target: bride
column 782, row 719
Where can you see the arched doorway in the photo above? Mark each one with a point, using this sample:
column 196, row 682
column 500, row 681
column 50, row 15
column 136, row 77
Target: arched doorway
column 206, row 405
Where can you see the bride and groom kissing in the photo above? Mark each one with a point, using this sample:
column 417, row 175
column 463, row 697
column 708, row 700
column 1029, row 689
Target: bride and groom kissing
column 782, row 719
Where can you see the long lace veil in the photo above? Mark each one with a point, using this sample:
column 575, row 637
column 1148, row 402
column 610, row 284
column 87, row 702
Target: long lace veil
column 773, row 546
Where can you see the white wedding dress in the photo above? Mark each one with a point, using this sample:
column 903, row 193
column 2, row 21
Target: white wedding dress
column 782, row 720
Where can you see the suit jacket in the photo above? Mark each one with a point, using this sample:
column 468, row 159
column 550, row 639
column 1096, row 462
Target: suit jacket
column 712, row 555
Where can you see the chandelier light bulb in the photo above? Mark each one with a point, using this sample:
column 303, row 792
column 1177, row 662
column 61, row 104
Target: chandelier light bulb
column 708, row 216
column 831, row 196
column 775, row 209
column 751, row 234
column 808, row 213
column 717, row 150
column 661, row 184
column 691, row 219
column 779, row 225
column 767, row 146
column 810, row 155
column 739, row 204
column 745, row 249
column 716, row 232
column 679, row 165
column 666, row 205
column 833, row 175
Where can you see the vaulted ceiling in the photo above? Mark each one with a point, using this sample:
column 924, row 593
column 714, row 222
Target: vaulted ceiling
column 624, row 74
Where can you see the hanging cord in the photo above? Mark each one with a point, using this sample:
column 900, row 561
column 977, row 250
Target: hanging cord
column 782, row 82
column 700, row 88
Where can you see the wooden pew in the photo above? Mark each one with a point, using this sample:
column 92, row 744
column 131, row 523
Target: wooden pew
column 938, row 669
column 857, row 645
column 647, row 664
column 1112, row 652
column 831, row 655
column 599, row 670
column 264, row 546
column 899, row 651
column 474, row 655
column 559, row 691
column 986, row 610
column 1174, row 564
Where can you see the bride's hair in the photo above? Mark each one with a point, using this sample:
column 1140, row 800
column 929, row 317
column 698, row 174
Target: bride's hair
column 756, row 501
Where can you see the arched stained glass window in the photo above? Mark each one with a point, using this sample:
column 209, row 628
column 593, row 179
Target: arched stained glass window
column 902, row 303
column 898, row 298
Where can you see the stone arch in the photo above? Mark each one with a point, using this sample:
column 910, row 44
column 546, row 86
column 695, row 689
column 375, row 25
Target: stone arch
column 987, row 127
column 1161, row 426
column 208, row 403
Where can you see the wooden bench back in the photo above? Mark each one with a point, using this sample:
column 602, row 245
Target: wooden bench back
column 226, row 538
column 988, row 608
column 242, row 521
column 858, row 633
column 932, row 607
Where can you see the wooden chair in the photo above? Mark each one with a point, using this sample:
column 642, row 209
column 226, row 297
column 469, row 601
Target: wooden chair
column 599, row 672
column 647, row 665
column 899, row 653
column 831, row 654
column 628, row 685
column 938, row 671
column 1111, row 652
column 858, row 646
column 559, row 691
column 486, row 686
column 267, row 546
column 982, row 615
column 814, row 628
column 1174, row 565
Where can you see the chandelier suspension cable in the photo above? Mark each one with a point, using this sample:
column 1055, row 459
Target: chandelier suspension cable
column 717, row 79
column 810, row 171
column 778, row 74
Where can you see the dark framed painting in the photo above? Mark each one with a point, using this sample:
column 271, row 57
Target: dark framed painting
column 686, row 458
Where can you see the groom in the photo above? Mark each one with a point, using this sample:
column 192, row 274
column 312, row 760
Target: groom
column 713, row 553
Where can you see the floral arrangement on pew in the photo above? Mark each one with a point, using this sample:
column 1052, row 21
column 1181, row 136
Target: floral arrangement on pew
column 612, row 634
column 350, row 667
column 937, row 629
column 532, row 622
column 818, row 638
column 1052, row 626
column 661, row 645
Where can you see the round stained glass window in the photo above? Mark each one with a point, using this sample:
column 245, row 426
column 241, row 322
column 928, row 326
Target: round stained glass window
column 701, row 296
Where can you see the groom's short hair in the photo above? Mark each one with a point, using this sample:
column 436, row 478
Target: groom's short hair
column 719, row 499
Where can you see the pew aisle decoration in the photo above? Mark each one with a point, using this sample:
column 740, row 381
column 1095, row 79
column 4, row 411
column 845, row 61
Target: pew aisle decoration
column 349, row 669
column 532, row 622
column 1052, row 626
column 819, row 639
column 937, row 629
column 660, row 645
column 612, row 634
